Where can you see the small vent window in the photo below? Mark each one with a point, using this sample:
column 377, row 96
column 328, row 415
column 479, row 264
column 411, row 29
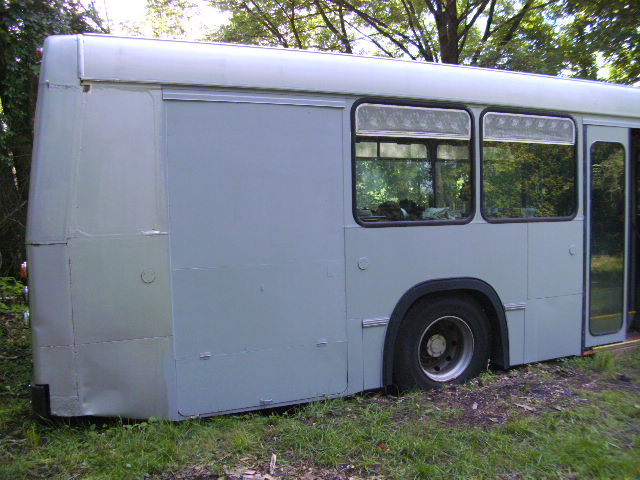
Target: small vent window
column 510, row 127
column 402, row 121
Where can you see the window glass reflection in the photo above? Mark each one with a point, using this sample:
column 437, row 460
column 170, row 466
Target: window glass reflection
column 607, row 237
column 412, row 180
column 528, row 180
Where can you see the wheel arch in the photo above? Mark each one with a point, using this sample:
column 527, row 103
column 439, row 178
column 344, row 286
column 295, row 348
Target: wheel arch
column 475, row 288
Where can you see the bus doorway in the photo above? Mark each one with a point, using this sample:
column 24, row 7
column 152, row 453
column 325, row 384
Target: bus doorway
column 607, row 156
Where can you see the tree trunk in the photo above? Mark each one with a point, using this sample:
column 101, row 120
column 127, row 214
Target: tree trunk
column 447, row 23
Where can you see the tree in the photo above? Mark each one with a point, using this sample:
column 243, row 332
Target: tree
column 490, row 33
column 163, row 19
column 167, row 18
column 23, row 26
column 610, row 28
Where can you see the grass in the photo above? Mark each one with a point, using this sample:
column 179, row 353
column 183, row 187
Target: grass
column 415, row 436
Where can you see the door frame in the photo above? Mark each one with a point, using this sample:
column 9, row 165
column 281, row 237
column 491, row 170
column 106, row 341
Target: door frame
column 592, row 133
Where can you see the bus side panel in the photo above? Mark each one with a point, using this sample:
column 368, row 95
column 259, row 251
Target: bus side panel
column 553, row 318
column 257, row 250
column 553, row 327
column 384, row 263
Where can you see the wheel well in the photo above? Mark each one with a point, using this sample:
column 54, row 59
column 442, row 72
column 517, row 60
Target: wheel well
column 481, row 292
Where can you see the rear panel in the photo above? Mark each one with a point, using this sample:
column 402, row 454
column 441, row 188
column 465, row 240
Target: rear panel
column 97, row 245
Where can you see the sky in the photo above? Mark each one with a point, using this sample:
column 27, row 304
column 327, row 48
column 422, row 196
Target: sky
column 119, row 12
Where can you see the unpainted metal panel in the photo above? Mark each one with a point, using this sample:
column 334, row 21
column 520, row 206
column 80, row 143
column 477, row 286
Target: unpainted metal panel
column 119, row 184
column 54, row 366
column 396, row 259
column 515, row 324
column 238, row 308
column 260, row 379
column 61, row 59
column 120, row 288
column 65, row 406
column 372, row 355
column 126, row 378
column 355, row 374
column 553, row 328
column 50, row 295
column 54, row 152
column 555, row 258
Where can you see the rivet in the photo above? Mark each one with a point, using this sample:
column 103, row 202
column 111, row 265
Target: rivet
column 148, row 276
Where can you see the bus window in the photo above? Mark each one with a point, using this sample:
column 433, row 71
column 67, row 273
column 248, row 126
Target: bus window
column 528, row 167
column 412, row 164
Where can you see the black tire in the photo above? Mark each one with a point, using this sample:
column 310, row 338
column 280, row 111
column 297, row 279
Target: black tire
column 441, row 341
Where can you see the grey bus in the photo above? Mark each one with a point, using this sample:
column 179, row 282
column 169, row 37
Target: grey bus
column 219, row 228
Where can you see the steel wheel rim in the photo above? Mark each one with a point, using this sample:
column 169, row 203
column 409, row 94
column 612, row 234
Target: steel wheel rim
column 445, row 348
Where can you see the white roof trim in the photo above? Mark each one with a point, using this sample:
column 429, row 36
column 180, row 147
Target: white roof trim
column 136, row 60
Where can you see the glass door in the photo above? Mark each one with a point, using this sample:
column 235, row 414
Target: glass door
column 606, row 151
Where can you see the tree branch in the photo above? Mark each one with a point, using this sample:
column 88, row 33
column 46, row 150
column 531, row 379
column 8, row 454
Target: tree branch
column 342, row 37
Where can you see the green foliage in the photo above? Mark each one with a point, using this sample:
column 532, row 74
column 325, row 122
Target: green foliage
column 604, row 362
column 23, row 26
column 165, row 19
column 293, row 23
column 610, row 29
column 493, row 33
column 543, row 36
column 11, row 296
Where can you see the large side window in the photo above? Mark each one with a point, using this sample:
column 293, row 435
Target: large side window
column 412, row 164
column 528, row 166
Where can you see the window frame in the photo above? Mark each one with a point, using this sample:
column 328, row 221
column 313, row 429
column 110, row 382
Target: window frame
column 405, row 103
column 526, row 111
column 626, row 156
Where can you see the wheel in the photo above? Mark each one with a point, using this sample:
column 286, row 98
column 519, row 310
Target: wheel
column 441, row 341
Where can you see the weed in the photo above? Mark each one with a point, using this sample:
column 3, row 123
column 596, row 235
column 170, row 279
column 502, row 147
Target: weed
column 604, row 362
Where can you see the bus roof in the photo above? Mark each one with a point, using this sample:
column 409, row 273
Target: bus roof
column 168, row 62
